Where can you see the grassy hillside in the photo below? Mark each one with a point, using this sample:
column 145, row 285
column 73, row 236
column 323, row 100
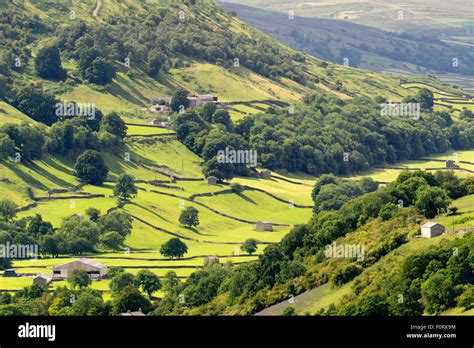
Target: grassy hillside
column 338, row 39
column 199, row 54
column 132, row 89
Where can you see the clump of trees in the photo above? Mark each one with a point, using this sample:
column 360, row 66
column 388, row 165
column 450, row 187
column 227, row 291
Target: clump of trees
column 325, row 135
column 331, row 193
column 48, row 63
column 95, row 67
column 75, row 235
column 68, row 135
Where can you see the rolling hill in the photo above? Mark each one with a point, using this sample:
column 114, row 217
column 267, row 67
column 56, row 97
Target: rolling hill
column 200, row 48
column 341, row 30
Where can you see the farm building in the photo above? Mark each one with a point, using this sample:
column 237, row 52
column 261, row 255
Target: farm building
column 266, row 174
column 40, row 280
column 95, row 270
column 198, row 100
column 161, row 101
column 160, row 109
column 451, row 165
column 10, row 273
column 210, row 260
column 161, row 124
column 264, row 226
column 129, row 313
column 431, row 229
column 212, row 180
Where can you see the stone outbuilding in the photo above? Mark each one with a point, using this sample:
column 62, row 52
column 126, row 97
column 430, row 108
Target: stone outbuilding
column 95, row 270
column 266, row 174
column 41, row 280
column 212, row 180
column 210, row 260
column 264, row 226
column 431, row 229
column 129, row 313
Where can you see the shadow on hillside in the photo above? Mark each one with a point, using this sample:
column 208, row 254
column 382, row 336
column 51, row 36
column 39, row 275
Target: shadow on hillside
column 134, row 90
column 194, row 230
column 246, row 198
column 116, row 90
column 27, row 178
column 43, row 172
column 59, row 166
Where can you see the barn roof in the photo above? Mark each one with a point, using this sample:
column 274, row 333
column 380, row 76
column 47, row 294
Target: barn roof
column 84, row 261
column 430, row 224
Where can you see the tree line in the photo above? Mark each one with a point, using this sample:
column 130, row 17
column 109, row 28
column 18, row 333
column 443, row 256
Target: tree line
column 282, row 269
column 324, row 135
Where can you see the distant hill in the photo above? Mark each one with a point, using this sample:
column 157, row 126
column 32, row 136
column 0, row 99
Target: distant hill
column 199, row 47
column 343, row 41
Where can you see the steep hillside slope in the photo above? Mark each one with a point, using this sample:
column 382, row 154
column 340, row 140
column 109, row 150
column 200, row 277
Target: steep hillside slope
column 365, row 47
column 127, row 31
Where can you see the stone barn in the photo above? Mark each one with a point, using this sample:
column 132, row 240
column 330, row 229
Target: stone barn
column 41, row 280
column 212, row 180
column 198, row 100
column 431, row 229
column 266, row 174
column 451, row 165
column 95, row 270
column 264, row 226
column 129, row 313
column 210, row 260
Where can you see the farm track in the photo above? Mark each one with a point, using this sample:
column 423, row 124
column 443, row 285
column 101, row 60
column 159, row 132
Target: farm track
column 97, row 8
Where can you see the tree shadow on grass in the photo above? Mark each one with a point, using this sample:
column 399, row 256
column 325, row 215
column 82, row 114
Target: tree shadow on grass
column 27, row 178
column 116, row 90
column 194, row 230
column 246, row 198
column 44, row 173
column 58, row 165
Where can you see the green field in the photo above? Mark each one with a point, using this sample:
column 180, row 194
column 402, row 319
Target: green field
column 464, row 217
column 385, row 175
column 146, row 130
column 158, row 213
